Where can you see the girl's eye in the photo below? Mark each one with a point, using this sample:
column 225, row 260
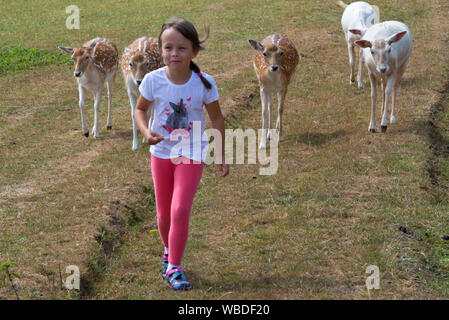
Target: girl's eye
column 372, row 51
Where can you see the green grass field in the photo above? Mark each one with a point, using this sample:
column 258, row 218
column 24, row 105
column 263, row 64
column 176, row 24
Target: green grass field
column 342, row 199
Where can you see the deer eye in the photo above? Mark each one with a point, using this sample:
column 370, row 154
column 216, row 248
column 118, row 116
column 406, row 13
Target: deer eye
column 87, row 57
column 265, row 54
column 148, row 64
column 131, row 64
column 281, row 54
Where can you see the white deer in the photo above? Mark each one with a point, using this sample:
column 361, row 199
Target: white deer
column 387, row 47
column 275, row 62
column 96, row 64
column 357, row 16
column 139, row 58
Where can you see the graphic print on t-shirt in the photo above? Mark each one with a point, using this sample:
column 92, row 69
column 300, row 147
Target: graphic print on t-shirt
column 179, row 118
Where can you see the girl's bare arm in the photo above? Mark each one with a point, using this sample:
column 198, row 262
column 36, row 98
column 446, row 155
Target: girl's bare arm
column 140, row 115
column 217, row 121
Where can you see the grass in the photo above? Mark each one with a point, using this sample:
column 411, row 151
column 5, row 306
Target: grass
column 309, row 232
column 18, row 59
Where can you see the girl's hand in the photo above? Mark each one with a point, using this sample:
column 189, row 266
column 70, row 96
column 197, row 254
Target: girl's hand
column 153, row 138
column 224, row 169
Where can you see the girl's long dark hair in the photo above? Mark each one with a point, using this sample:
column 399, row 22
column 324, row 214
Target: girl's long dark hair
column 187, row 29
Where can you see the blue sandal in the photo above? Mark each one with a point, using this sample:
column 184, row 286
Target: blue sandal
column 177, row 280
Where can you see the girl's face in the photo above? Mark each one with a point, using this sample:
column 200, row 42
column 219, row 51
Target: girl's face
column 177, row 51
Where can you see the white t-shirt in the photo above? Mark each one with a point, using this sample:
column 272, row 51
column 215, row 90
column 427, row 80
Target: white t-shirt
column 179, row 114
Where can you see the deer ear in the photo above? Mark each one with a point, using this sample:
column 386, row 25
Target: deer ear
column 256, row 45
column 363, row 43
column 91, row 47
column 68, row 50
column 356, row 31
column 127, row 52
column 396, row 37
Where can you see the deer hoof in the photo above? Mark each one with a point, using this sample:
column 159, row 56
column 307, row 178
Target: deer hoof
column 384, row 129
column 109, row 128
column 372, row 130
column 86, row 134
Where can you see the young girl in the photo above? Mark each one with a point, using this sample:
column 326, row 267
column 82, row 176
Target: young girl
column 178, row 92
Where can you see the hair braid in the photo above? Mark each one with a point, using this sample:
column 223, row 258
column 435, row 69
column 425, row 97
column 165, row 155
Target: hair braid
column 194, row 67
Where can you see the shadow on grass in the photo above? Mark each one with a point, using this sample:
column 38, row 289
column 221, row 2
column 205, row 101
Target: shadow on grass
column 122, row 134
column 316, row 138
column 410, row 82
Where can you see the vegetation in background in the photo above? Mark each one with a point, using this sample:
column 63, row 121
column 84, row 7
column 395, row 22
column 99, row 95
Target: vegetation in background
column 18, row 59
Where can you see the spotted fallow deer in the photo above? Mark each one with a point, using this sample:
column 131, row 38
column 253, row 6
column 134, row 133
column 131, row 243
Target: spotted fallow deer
column 139, row 58
column 96, row 64
column 387, row 46
column 275, row 62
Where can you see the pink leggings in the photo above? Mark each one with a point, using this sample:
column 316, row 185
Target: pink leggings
column 175, row 185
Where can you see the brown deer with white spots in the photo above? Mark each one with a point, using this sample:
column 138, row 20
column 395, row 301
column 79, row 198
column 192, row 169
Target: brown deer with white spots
column 96, row 64
column 275, row 62
column 139, row 58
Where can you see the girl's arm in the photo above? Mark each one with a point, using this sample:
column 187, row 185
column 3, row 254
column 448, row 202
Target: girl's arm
column 216, row 117
column 140, row 115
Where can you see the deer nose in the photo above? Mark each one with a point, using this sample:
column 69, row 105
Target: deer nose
column 382, row 69
column 77, row 74
column 274, row 68
column 138, row 82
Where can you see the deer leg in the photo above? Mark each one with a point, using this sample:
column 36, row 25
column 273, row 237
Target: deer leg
column 97, row 98
column 351, row 52
column 393, row 105
column 372, row 123
column 382, row 84
column 84, row 126
column 361, row 63
column 269, row 108
column 281, row 99
column 109, row 123
column 132, row 102
column 388, row 90
column 265, row 106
